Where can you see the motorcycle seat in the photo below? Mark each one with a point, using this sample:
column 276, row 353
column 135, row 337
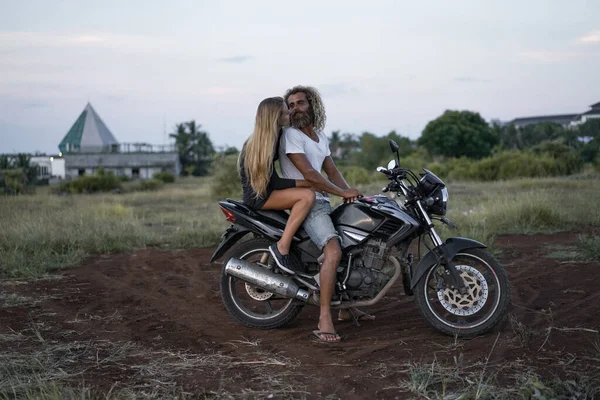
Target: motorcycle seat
column 278, row 215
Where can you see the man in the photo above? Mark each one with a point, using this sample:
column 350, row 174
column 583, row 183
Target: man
column 303, row 153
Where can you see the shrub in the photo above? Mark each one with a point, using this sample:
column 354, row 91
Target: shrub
column 509, row 165
column 150, row 184
column 102, row 181
column 13, row 180
column 165, row 177
column 226, row 181
column 356, row 175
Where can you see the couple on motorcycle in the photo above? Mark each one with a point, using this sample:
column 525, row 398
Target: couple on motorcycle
column 291, row 129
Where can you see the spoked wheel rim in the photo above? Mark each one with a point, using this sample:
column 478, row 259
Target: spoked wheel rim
column 253, row 301
column 469, row 310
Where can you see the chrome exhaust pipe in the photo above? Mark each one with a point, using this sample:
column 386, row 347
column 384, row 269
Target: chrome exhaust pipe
column 265, row 279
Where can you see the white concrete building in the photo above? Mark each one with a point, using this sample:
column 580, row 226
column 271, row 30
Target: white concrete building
column 49, row 166
column 90, row 145
column 566, row 120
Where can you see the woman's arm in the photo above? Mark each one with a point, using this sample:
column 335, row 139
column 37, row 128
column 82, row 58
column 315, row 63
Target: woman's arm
column 278, row 183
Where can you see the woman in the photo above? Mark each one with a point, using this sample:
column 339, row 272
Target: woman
column 263, row 188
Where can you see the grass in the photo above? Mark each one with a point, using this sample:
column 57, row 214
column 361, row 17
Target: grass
column 452, row 380
column 52, row 370
column 44, row 232
column 589, row 247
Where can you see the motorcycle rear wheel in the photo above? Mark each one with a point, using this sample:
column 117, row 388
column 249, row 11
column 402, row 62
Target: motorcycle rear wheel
column 250, row 305
column 471, row 314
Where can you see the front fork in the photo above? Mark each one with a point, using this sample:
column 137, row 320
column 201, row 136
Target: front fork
column 451, row 275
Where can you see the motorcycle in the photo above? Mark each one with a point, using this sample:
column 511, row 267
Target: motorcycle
column 459, row 288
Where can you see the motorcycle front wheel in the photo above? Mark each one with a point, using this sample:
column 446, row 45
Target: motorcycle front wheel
column 250, row 305
column 473, row 313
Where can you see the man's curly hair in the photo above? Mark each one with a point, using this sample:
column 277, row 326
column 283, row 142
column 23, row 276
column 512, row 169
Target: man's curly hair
column 316, row 104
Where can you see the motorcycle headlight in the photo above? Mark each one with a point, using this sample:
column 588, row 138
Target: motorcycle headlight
column 441, row 202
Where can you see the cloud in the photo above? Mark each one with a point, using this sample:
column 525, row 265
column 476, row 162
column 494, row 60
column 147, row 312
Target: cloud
column 221, row 91
column 470, row 79
column 336, row 89
column 34, row 104
column 550, row 57
column 590, row 38
column 236, row 59
column 10, row 41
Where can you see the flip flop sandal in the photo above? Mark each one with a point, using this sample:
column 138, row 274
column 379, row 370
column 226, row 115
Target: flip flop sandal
column 319, row 335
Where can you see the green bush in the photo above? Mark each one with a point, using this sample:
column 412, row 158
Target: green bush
column 13, row 180
column 102, row 181
column 123, row 178
column 150, row 184
column 226, row 181
column 356, row 175
column 165, row 177
column 510, row 165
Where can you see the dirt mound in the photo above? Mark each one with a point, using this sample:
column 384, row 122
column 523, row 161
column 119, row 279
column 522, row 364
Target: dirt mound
column 167, row 304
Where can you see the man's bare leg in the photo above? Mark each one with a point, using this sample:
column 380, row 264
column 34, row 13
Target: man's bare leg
column 333, row 254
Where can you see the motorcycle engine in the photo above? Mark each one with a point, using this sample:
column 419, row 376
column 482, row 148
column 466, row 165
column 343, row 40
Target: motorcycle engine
column 370, row 271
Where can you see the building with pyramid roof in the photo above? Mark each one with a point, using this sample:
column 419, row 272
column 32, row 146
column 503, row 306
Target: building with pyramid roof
column 88, row 134
column 89, row 145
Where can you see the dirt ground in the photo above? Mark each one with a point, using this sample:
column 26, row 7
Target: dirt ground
column 154, row 318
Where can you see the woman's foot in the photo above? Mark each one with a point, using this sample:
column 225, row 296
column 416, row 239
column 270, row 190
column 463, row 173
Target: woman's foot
column 282, row 260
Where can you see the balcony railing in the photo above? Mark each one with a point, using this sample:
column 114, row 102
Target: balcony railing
column 123, row 148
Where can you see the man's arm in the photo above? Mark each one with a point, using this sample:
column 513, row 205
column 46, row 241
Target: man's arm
column 334, row 174
column 314, row 177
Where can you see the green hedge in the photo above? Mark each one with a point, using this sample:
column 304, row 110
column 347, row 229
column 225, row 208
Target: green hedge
column 502, row 166
column 356, row 175
column 102, row 181
column 226, row 181
column 150, row 184
column 165, row 177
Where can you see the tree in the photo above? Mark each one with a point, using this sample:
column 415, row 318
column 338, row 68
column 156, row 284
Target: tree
column 334, row 144
column 591, row 128
column 457, row 134
column 509, row 138
column 194, row 147
column 373, row 148
column 533, row 135
column 349, row 143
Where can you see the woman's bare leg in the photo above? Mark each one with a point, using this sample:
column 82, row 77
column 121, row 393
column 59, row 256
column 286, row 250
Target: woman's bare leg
column 300, row 201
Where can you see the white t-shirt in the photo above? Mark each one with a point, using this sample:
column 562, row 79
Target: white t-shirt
column 294, row 141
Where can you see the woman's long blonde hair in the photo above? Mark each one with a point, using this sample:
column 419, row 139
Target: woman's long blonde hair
column 259, row 149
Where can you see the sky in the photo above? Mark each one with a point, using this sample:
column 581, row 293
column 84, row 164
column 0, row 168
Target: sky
column 380, row 65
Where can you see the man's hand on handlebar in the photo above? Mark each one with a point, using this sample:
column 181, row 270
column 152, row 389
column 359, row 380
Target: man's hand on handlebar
column 351, row 195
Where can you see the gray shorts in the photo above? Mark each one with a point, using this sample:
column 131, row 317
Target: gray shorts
column 318, row 224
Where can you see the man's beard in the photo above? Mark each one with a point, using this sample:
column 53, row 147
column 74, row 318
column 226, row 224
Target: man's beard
column 300, row 119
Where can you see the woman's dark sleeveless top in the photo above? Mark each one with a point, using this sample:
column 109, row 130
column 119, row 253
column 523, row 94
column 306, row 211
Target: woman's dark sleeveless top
column 275, row 183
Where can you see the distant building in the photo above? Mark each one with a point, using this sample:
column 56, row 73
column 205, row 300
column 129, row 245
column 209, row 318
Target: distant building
column 566, row 120
column 90, row 145
column 593, row 113
column 49, row 166
column 88, row 134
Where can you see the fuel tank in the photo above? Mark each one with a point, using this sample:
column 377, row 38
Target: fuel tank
column 375, row 216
